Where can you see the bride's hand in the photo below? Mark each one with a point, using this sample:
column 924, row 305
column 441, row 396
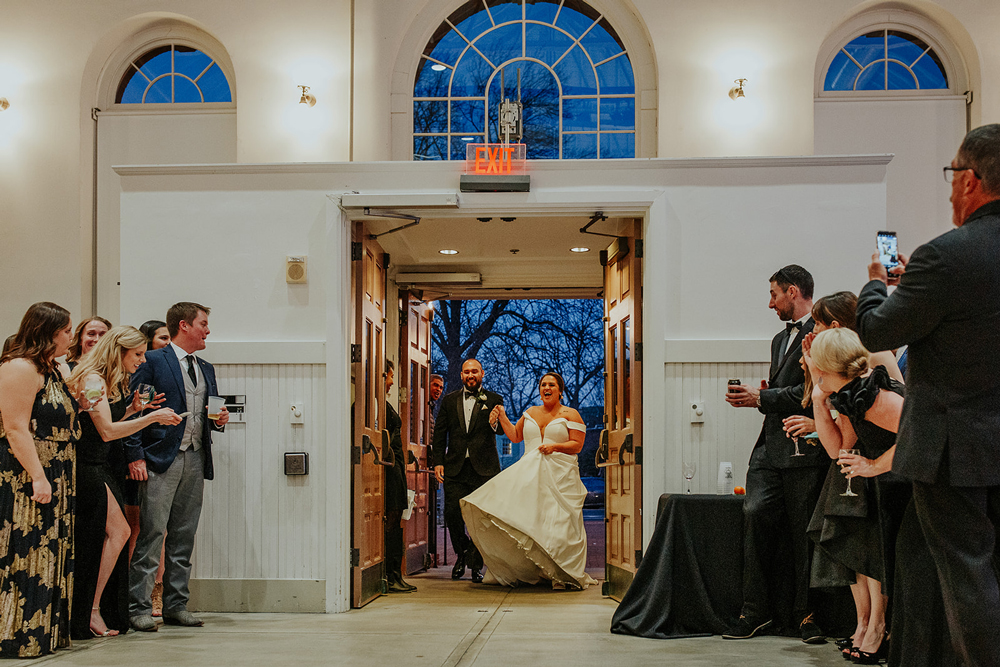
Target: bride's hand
column 546, row 449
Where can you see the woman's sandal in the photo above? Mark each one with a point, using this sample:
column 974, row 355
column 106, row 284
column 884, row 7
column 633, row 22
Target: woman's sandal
column 106, row 633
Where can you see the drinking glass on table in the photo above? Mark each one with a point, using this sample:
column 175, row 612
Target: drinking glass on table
column 843, row 468
column 689, row 470
column 93, row 388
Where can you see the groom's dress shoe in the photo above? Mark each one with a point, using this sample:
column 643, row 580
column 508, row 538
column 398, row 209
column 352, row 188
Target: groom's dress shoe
column 459, row 569
column 477, row 575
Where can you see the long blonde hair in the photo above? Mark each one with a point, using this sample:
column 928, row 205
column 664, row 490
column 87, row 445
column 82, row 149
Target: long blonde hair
column 106, row 360
column 839, row 351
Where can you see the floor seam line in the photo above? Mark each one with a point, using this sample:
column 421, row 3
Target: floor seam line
column 457, row 657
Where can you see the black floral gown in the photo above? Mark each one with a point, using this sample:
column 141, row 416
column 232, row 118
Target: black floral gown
column 36, row 540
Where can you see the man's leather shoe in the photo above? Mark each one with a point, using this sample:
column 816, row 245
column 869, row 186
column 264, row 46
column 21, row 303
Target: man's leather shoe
column 396, row 587
column 477, row 575
column 459, row 570
column 747, row 628
column 182, row 617
column 143, row 623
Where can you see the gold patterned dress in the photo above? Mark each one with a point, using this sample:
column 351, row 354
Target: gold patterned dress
column 36, row 539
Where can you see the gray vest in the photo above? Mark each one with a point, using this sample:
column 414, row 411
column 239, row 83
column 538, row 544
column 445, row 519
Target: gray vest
column 196, row 400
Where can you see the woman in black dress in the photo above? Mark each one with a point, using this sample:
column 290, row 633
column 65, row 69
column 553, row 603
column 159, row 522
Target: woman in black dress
column 100, row 587
column 396, row 497
column 38, row 426
column 869, row 404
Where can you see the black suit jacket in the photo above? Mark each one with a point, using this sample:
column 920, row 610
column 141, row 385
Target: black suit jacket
column 159, row 444
column 783, row 398
column 947, row 309
column 452, row 441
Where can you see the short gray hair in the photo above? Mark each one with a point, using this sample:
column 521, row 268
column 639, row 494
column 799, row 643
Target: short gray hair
column 980, row 152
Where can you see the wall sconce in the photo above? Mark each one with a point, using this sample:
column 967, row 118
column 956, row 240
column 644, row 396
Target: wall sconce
column 736, row 92
column 307, row 98
column 4, row 104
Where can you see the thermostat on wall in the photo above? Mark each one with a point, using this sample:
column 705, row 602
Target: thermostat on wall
column 296, row 463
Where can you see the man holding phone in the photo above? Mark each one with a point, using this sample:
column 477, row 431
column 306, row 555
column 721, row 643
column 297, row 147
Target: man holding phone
column 780, row 483
column 947, row 309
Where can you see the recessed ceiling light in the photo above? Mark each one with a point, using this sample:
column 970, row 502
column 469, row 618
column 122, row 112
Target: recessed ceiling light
column 579, row 249
column 438, row 68
column 446, row 251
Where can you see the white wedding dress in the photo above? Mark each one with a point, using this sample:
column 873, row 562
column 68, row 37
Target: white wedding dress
column 528, row 521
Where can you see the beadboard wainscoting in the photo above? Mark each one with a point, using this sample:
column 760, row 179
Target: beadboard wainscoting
column 259, row 528
column 727, row 434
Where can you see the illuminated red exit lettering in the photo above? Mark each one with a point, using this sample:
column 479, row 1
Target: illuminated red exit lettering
column 496, row 159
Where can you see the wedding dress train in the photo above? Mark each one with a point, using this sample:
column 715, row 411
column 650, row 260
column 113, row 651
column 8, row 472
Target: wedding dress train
column 528, row 521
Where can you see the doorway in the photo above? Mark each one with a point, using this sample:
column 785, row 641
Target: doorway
column 489, row 260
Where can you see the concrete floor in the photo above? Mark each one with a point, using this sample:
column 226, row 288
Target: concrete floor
column 444, row 623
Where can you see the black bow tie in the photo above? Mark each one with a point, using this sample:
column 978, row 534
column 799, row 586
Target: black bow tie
column 471, row 394
column 793, row 325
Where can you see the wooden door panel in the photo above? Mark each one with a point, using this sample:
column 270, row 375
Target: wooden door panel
column 368, row 478
column 623, row 471
column 416, row 422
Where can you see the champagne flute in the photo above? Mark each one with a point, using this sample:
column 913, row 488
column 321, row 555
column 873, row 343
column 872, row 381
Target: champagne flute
column 93, row 388
column 842, row 452
column 146, row 394
column 689, row 470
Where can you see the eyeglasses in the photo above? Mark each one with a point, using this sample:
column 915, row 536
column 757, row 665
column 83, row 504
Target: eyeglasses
column 949, row 173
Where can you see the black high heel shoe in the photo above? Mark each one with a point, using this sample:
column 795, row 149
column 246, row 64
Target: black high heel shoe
column 846, row 642
column 880, row 654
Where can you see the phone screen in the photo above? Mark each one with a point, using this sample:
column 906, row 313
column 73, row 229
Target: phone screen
column 887, row 252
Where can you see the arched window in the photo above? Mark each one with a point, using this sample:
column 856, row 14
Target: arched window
column 886, row 60
column 173, row 74
column 576, row 81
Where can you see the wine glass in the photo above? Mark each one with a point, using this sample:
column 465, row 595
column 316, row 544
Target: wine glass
column 92, row 390
column 842, row 452
column 795, row 439
column 689, row 470
column 147, row 393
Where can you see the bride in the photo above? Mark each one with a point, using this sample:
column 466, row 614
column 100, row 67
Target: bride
column 528, row 521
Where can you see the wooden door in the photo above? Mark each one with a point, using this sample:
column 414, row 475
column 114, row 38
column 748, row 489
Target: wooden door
column 623, row 413
column 368, row 478
column 415, row 357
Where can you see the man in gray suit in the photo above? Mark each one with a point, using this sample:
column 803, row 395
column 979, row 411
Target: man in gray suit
column 172, row 464
column 947, row 308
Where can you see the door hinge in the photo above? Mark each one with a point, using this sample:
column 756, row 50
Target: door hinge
column 638, row 351
column 638, row 557
column 638, row 248
column 357, row 251
column 355, row 557
column 638, row 455
column 355, row 455
column 355, row 353
column 402, row 318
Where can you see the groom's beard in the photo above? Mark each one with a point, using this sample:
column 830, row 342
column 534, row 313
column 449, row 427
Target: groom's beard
column 473, row 387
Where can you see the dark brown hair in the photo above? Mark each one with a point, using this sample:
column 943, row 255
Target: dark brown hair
column 35, row 338
column 183, row 311
column 149, row 329
column 793, row 274
column 839, row 307
column 559, row 381
column 75, row 350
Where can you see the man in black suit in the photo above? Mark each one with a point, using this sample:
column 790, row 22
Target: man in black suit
column 172, row 464
column 782, row 487
column 947, row 308
column 465, row 457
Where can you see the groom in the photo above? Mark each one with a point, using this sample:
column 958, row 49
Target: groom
column 464, row 451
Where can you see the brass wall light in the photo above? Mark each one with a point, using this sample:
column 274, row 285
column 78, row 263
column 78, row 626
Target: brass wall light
column 736, row 92
column 307, row 98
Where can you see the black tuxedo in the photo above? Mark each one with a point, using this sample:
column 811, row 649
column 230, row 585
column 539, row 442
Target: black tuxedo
column 782, row 489
column 947, row 309
column 469, row 456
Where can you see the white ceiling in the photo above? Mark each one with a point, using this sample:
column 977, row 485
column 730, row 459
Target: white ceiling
column 541, row 267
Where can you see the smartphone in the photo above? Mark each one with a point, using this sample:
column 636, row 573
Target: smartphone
column 734, row 385
column 888, row 253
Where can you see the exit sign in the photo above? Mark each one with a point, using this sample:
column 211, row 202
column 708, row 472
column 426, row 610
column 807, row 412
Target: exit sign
column 494, row 159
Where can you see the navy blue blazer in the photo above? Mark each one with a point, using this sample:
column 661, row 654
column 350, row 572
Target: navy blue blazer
column 159, row 444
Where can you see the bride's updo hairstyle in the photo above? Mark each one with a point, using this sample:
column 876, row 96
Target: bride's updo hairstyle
column 559, row 381
column 839, row 351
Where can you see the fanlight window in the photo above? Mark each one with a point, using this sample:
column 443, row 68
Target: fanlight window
column 577, row 83
column 173, row 74
column 886, row 60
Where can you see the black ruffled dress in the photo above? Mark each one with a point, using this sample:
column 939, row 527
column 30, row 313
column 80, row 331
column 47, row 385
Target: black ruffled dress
column 858, row 534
